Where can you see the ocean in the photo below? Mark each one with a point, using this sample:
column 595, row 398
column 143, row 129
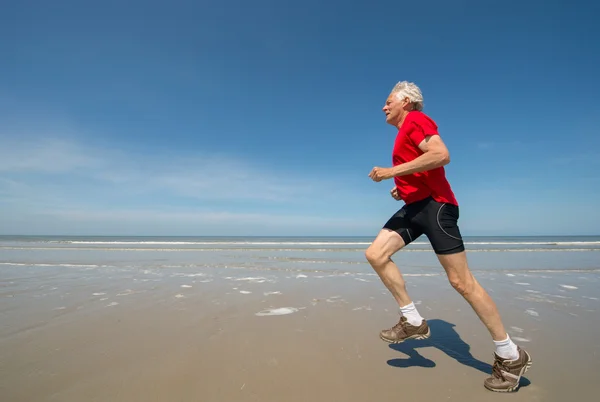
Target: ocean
column 290, row 254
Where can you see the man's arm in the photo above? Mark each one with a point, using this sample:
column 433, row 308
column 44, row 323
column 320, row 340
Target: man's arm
column 435, row 154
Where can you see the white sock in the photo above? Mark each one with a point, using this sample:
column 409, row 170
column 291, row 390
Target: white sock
column 412, row 315
column 507, row 349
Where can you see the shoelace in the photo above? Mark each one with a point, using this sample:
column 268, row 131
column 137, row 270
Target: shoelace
column 497, row 369
column 400, row 326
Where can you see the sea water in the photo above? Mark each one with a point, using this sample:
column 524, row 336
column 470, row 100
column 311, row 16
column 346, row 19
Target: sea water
column 41, row 276
column 291, row 254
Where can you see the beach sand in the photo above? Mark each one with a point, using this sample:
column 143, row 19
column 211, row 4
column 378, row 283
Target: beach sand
column 234, row 335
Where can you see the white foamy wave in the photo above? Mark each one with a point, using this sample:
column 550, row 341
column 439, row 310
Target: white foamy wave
column 535, row 243
column 250, row 279
column 277, row 311
column 170, row 247
column 258, row 243
column 310, row 243
column 25, row 264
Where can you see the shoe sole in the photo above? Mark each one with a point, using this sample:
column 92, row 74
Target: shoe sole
column 416, row 337
column 526, row 367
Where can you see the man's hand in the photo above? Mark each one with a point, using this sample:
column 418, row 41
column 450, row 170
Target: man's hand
column 379, row 173
column 394, row 193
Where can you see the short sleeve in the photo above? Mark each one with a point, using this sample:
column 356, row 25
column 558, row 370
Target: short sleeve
column 421, row 127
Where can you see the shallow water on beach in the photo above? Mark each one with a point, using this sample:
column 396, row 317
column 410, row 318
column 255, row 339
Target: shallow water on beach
column 550, row 271
column 318, row 255
column 75, row 311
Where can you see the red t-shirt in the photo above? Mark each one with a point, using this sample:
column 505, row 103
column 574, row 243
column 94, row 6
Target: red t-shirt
column 417, row 186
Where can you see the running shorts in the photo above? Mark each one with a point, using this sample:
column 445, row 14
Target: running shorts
column 438, row 221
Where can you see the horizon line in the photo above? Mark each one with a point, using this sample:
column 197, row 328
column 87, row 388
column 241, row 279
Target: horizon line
column 296, row 236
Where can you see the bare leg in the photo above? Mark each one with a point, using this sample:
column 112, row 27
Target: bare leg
column 379, row 256
column 464, row 282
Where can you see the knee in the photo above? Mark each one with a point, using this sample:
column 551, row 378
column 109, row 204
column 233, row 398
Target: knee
column 376, row 257
column 464, row 286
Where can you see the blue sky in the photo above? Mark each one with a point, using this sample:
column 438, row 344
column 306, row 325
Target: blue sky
column 264, row 118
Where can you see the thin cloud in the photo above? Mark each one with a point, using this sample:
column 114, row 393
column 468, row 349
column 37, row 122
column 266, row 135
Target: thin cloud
column 586, row 158
column 164, row 221
column 58, row 185
column 485, row 145
column 203, row 177
column 45, row 155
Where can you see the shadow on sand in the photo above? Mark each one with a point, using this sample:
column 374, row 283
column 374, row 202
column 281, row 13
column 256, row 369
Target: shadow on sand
column 445, row 338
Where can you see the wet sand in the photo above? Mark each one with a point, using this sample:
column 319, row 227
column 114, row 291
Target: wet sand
column 236, row 335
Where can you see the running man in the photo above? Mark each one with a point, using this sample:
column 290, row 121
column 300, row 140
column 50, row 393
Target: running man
column 418, row 157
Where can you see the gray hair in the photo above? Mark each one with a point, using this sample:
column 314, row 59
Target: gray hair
column 410, row 90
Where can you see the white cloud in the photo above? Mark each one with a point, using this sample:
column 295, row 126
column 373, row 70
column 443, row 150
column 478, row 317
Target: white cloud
column 165, row 221
column 202, row 177
column 44, row 155
column 485, row 145
column 579, row 159
column 58, row 185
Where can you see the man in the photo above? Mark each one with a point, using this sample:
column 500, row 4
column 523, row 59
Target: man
column 418, row 157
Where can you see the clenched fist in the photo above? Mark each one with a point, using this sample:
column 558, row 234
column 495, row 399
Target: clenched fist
column 394, row 193
column 379, row 173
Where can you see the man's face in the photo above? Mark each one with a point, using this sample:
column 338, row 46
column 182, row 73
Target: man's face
column 394, row 109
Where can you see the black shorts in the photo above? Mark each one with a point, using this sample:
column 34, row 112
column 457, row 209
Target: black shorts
column 438, row 221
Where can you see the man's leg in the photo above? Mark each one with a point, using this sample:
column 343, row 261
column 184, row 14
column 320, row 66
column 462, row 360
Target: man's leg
column 441, row 226
column 510, row 360
column 464, row 282
column 379, row 253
